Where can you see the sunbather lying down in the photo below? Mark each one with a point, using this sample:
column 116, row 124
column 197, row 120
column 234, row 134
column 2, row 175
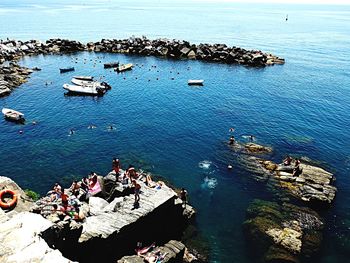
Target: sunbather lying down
column 154, row 257
column 140, row 251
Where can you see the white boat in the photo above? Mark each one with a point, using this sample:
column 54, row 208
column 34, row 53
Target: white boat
column 88, row 78
column 84, row 90
column 195, row 82
column 124, row 67
column 13, row 115
column 80, row 82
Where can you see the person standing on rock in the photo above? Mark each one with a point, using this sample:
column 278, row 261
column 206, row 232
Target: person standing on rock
column 116, row 166
column 183, row 196
column 137, row 189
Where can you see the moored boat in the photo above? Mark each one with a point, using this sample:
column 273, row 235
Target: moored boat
column 102, row 85
column 63, row 70
column 124, row 67
column 13, row 115
column 84, row 90
column 199, row 82
column 111, row 65
column 87, row 78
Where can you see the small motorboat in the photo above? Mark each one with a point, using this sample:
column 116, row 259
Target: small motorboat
column 13, row 115
column 198, row 82
column 87, row 78
column 84, row 90
column 124, row 67
column 111, row 65
column 64, row 70
column 102, row 85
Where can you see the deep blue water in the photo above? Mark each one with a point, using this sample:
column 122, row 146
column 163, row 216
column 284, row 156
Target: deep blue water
column 167, row 127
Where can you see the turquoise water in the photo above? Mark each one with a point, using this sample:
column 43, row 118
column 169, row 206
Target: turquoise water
column 169, row 128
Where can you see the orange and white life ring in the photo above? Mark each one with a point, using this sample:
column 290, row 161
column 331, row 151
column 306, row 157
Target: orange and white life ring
column 9, row 204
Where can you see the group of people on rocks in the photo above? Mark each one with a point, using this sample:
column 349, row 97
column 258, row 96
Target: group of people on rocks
column 131, row 175
column 66, row 202
column 148, row 254
column 296, row 169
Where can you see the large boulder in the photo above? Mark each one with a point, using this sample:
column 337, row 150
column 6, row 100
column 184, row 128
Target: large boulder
column 283, row 231
column 20, row 240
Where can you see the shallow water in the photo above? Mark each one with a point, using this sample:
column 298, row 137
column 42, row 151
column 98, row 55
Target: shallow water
column 180, row 132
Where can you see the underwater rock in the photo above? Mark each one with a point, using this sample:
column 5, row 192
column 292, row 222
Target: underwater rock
column 257, row 148
column 289, row 230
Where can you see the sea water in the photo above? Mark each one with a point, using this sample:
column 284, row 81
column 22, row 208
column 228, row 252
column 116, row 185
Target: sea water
column 164, row 126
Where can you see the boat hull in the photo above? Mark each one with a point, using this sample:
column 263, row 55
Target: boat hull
column 13, row 115
column 102, row 85
column 198, row 82
column 64, row 70
column 84, row 90
column 124, row 67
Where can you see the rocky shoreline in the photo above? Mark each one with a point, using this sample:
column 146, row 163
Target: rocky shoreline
column 12, row 75
column 285, row 230
column 107, row 230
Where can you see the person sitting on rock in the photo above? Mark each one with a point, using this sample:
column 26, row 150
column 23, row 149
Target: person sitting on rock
column 92, row 180
column 74, row 187
column 232, row 140
column 287, row 161
column 55, row 192
column 296, row 170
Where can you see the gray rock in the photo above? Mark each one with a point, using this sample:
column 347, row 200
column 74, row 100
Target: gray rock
column 97, row 205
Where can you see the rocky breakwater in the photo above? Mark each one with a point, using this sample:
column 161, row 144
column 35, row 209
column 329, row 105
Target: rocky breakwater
column 179, row 49
column 20, row 238
column 13, row 75
column 110, row 225
column 283, row 232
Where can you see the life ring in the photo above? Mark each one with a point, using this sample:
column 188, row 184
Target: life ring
column 10, row 204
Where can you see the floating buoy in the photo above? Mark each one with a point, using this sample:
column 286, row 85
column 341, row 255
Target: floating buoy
column 229, row 167
column 11, row 203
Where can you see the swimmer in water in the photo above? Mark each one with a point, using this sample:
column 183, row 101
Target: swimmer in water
column 34, row 122
column 71, row 132
column 232, row 129
column 110, row 127
column 91, row 127
column 251, row 138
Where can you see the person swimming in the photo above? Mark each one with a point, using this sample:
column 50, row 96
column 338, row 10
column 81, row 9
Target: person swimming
column 91, row 126
column 71, row 131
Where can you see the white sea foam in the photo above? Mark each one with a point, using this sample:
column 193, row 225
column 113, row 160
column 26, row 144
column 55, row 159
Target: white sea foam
column 210, row 183
column 204, row 164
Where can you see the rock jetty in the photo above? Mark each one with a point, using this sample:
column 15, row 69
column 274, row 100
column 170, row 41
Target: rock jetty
column 283, row 232
column 106, row 224
column 312, row 185
column 12, row 50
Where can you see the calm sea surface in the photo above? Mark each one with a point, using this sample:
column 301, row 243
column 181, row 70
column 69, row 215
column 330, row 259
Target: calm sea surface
column 168, row 128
